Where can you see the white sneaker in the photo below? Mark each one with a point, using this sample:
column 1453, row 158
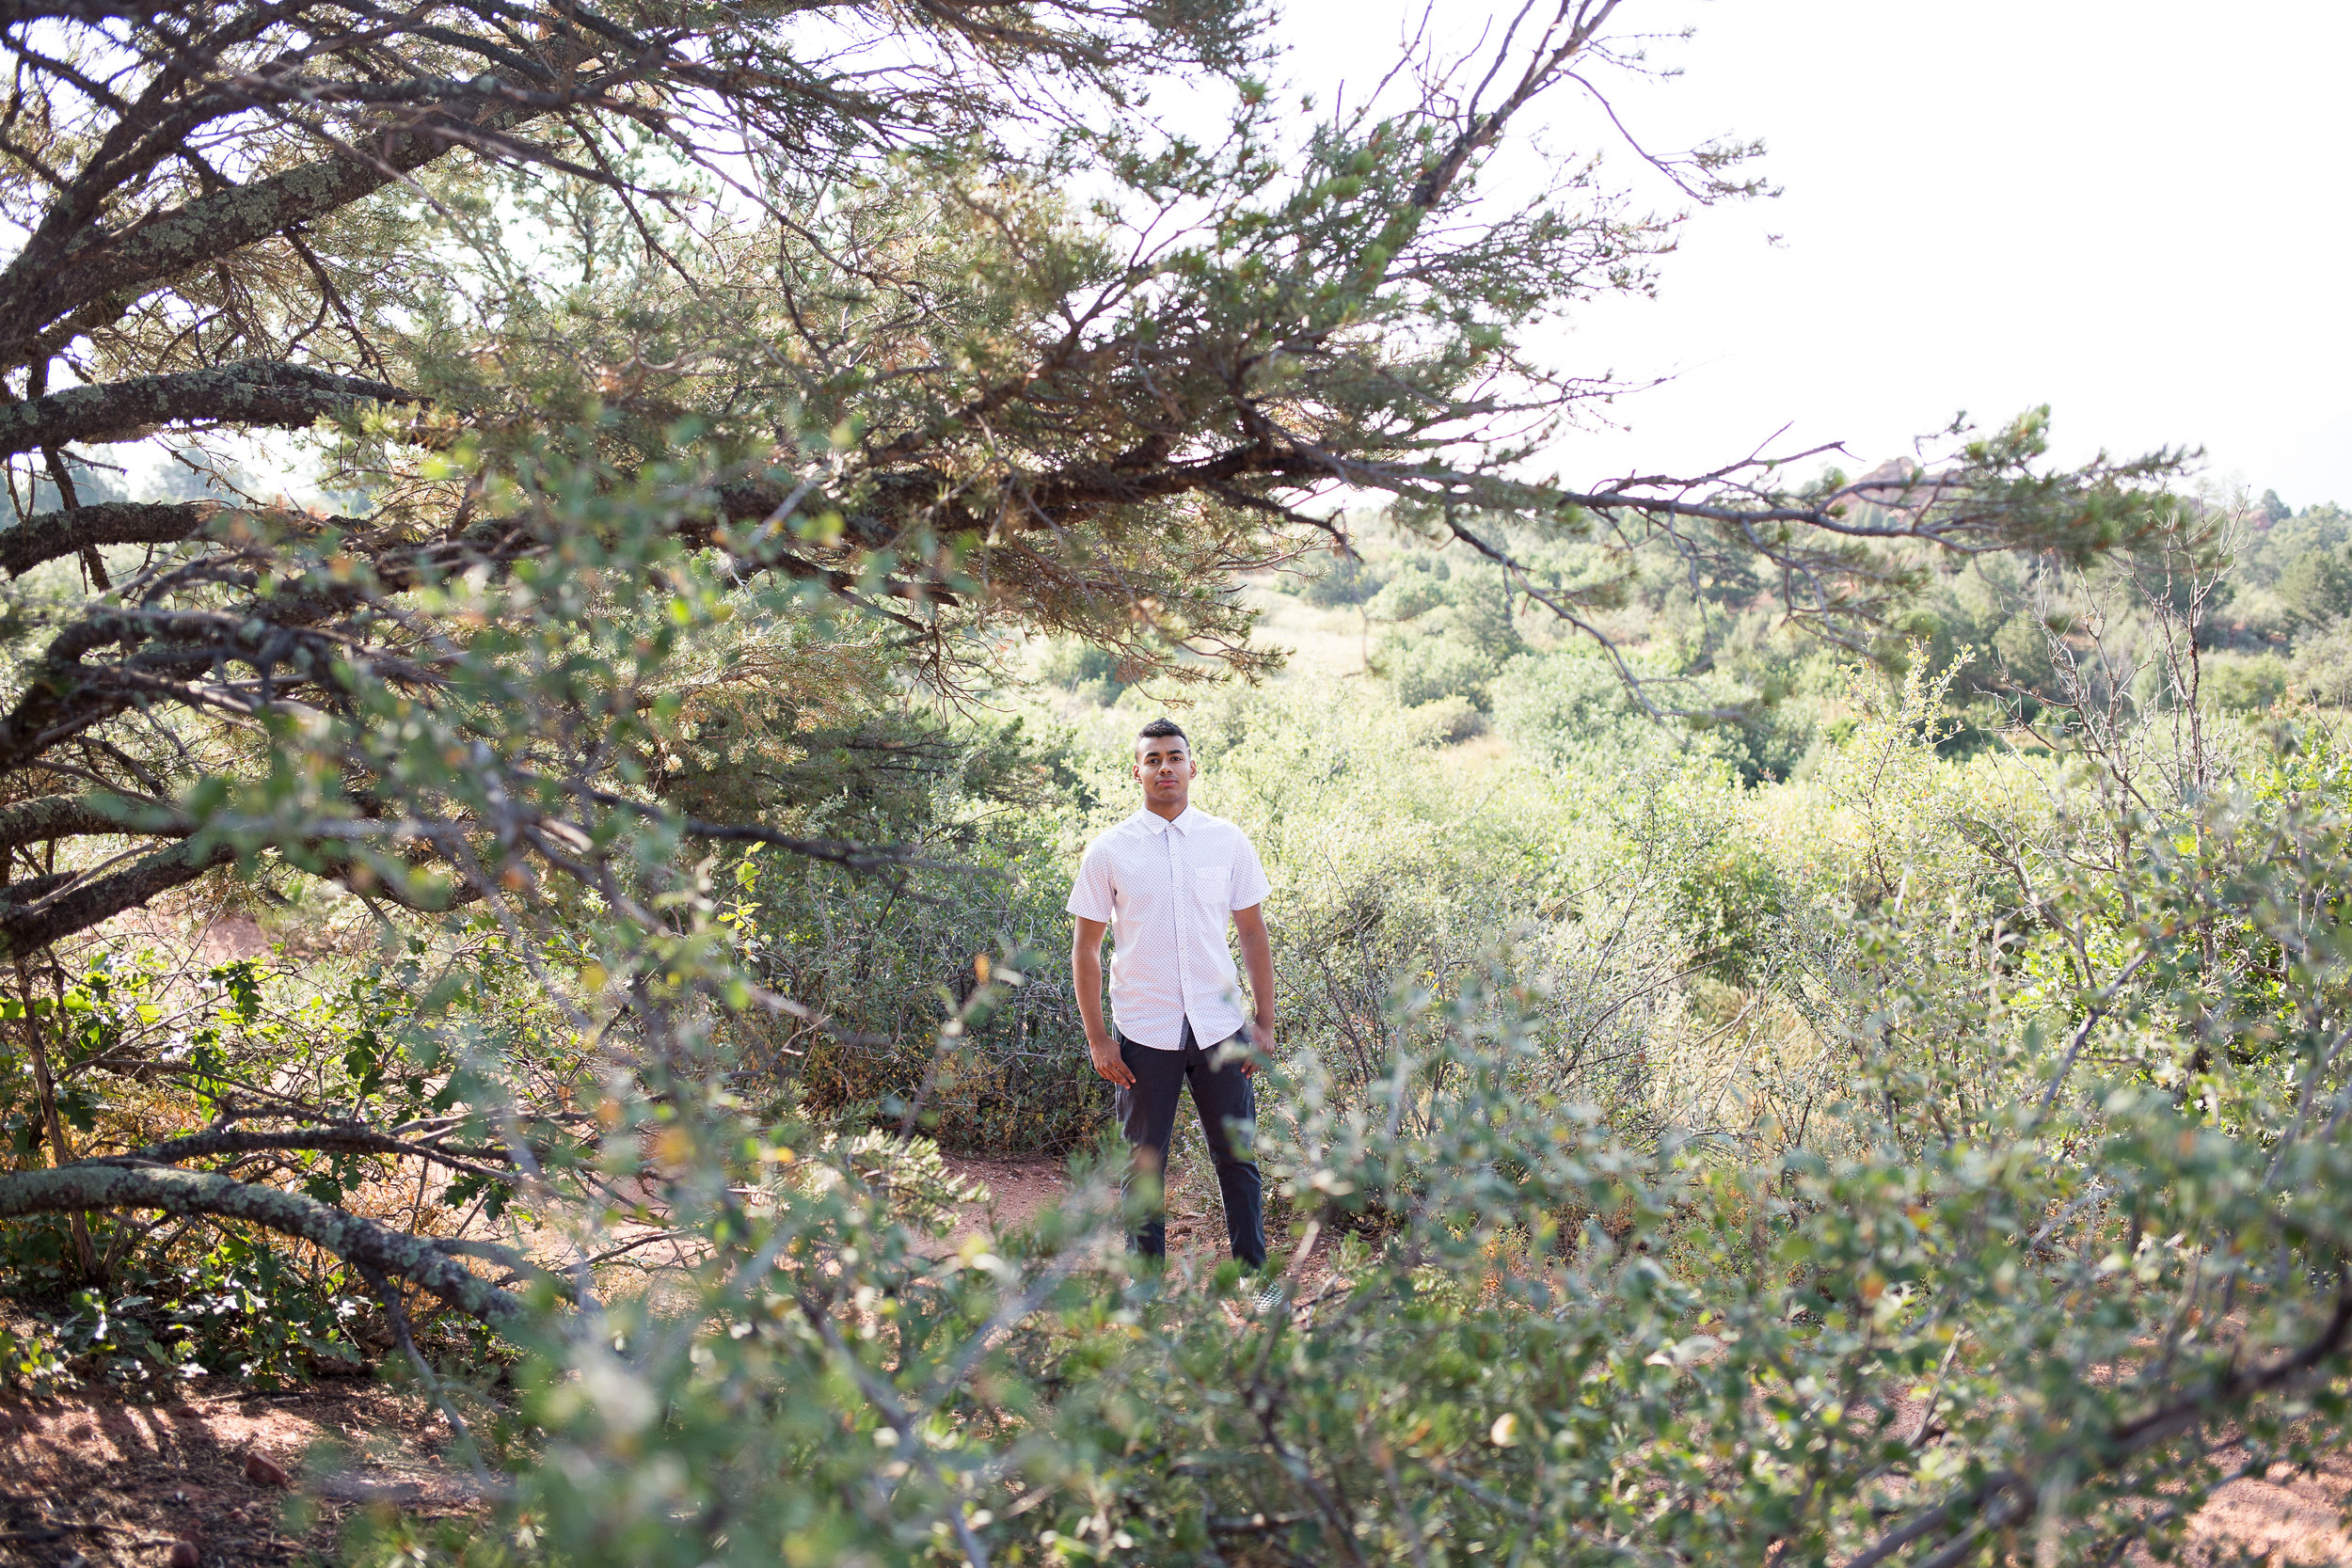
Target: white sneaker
column 1270, row 1299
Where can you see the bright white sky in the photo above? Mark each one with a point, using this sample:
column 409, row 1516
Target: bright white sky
column 2137, row 211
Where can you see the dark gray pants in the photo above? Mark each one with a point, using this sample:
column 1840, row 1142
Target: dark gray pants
column 1228, row 1103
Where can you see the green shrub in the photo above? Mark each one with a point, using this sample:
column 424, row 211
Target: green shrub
column 880, row 972
column 1559, row 708
column 2323, row 666
column 1421, row 668
column 242, row 1313
column 2315, row 588
column 2242, row 684
column 1091, row 671
column 1419, row 584
column 1536, row 1336
column 2023, row 643
column 1347, row 580
column 1447, row 720
column 1573, row 709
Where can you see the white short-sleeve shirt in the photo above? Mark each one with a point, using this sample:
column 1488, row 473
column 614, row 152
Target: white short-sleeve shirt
column 1168, row 891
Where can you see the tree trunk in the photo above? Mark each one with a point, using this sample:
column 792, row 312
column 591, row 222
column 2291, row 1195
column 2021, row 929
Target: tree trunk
column 45, row 1085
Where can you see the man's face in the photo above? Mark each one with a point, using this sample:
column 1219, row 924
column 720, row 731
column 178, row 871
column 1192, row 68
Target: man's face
column 1164, row 768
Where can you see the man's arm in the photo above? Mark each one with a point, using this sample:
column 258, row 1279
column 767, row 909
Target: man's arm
column 1086, row 974
column 1257, row 957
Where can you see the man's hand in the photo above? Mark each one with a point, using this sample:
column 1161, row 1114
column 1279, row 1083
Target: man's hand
column 1086, row 975
column 1105, row 1052
column 1261, row 1042
column 1257, row 956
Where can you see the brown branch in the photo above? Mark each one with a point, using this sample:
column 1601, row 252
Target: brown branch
column 13, row 13
column 86, row 1187
column 54, row 816
column 315, row 1140
column 54, row 276
column 54, row 535
column 65, row 696
column 51, row 917
column 250, row 392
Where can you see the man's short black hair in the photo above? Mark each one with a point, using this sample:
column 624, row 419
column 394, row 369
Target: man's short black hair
column 1159, row 729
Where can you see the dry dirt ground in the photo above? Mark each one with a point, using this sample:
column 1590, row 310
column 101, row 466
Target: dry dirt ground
column 89, row 1479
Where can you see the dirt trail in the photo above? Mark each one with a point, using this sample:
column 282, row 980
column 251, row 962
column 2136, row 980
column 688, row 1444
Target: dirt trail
column 92, row 1479
column 2290, row 1519
column 1018, row 1188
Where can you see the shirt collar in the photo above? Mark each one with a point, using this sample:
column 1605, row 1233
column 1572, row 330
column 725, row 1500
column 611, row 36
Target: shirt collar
column 1152, row 822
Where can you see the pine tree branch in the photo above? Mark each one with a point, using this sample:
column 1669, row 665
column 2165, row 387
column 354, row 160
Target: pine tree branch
column 14, row 12
column 248, row 392
column 54, row 535
column 54, row 816
column 55, row 276
column 50, row 916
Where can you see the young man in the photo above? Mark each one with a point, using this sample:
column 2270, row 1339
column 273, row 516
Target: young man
column 1166, row 882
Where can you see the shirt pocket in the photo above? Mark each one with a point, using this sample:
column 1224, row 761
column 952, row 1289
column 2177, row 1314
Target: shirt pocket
column 1211, row 886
